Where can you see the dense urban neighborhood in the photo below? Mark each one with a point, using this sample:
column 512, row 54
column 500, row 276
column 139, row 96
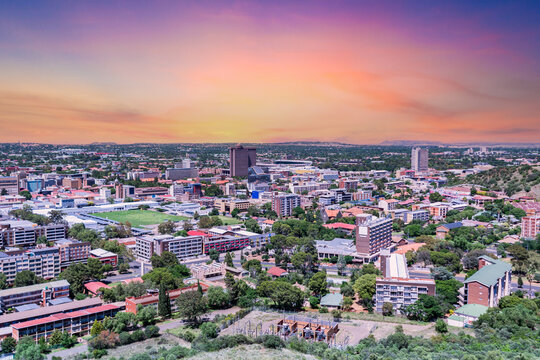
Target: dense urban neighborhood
column 326, row 249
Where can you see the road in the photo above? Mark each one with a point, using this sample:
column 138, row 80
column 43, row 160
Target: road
column 69, row 352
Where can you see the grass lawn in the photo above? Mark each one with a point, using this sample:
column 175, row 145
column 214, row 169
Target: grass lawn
column 229, row 220
column 139, row 218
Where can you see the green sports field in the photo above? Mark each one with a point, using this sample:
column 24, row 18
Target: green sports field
column 139, row 218
column 229, row 221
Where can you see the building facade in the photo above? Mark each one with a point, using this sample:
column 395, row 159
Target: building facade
column 419, row 159
column 530, row 226
column 241, row 159
column 182, row 247
column 34, row 294
column 372, row 234
column 26, row 233
column 45, row 263
column 284, row 204
column 489, row 284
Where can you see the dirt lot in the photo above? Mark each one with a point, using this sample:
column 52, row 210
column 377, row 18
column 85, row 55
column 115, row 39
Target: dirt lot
column 351, row 331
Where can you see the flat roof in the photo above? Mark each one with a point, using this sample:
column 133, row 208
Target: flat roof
column 49, row 310
column 36, row 287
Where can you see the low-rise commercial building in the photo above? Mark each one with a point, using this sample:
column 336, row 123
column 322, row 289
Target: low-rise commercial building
column 106, row 257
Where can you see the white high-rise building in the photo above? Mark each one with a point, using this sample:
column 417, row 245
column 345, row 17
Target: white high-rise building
column 419, row 159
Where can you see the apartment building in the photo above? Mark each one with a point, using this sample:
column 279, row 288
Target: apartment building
column 74, row 323
column 34, row 294
column 401, row 292
column 397, row 287
column 225, row 243
column 418, row 215
column 489, row 284
column 72, row 252
column 26, row 233
column 373, row 234
column 72, row 183
column 228, row 205
column 388, row 205
column 10, row 184
column 348, row 184
column 182, row 247
column 284, row 204
column 530, row 226
column 44, row 262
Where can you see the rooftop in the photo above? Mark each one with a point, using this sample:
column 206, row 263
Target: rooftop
column 490, row 274
column 471, row 310
column 32, row 288
column 332, row 300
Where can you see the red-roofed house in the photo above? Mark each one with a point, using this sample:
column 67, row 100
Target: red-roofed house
column 94, row 286
column 277, row 272
column 346, row 228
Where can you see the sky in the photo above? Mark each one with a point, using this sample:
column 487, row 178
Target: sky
column 359, row 72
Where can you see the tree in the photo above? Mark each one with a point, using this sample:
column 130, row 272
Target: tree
column 56, row 216
column 76, row 275
column 229, row 260
column 95, row 268
column 426, row 308
column 27, row 349
column 365, row 286
column 217, row 297
column 27, row 195
column 123, row 268
column 435, row 197
column 3, row 192
column 347, row 303
column 167, row 227
column 347, row 289
column 214, row 212
column 341, row 265
column 284, row 295
column 168, row 259
column 441, row 327
column 26, row 278
column 253, row 266
column 235, row 212
column 191, row 304
column 388, row 309
column 107, row 268
column 164, row 302
column 214, row 255
column 97, row 328
column 56, row 338
column 205, row 222
column 3, row 281
column 147, row 315
column 162, row 276
column 8, row 345
column 318, row 284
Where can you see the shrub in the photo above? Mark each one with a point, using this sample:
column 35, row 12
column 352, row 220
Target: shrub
column 125, row 338
column 209, row 329
column 314, row 302
column 189, row 336
column 137, row 335
column 323, row 310
column 270, row 341
column 441, row 327
column 151, row 331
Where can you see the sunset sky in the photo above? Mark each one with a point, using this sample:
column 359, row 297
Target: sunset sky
column 264, row 71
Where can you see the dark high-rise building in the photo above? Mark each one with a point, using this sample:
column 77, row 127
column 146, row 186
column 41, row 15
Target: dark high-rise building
column 242, row 158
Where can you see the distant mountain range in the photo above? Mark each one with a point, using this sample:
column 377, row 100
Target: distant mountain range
column 438, row 143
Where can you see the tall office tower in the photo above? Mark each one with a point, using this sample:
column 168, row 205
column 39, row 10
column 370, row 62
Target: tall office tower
column 186, row 163
column 242, row 158
column 419, row 159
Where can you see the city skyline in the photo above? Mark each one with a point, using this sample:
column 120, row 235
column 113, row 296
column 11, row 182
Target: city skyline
column 351, row 72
